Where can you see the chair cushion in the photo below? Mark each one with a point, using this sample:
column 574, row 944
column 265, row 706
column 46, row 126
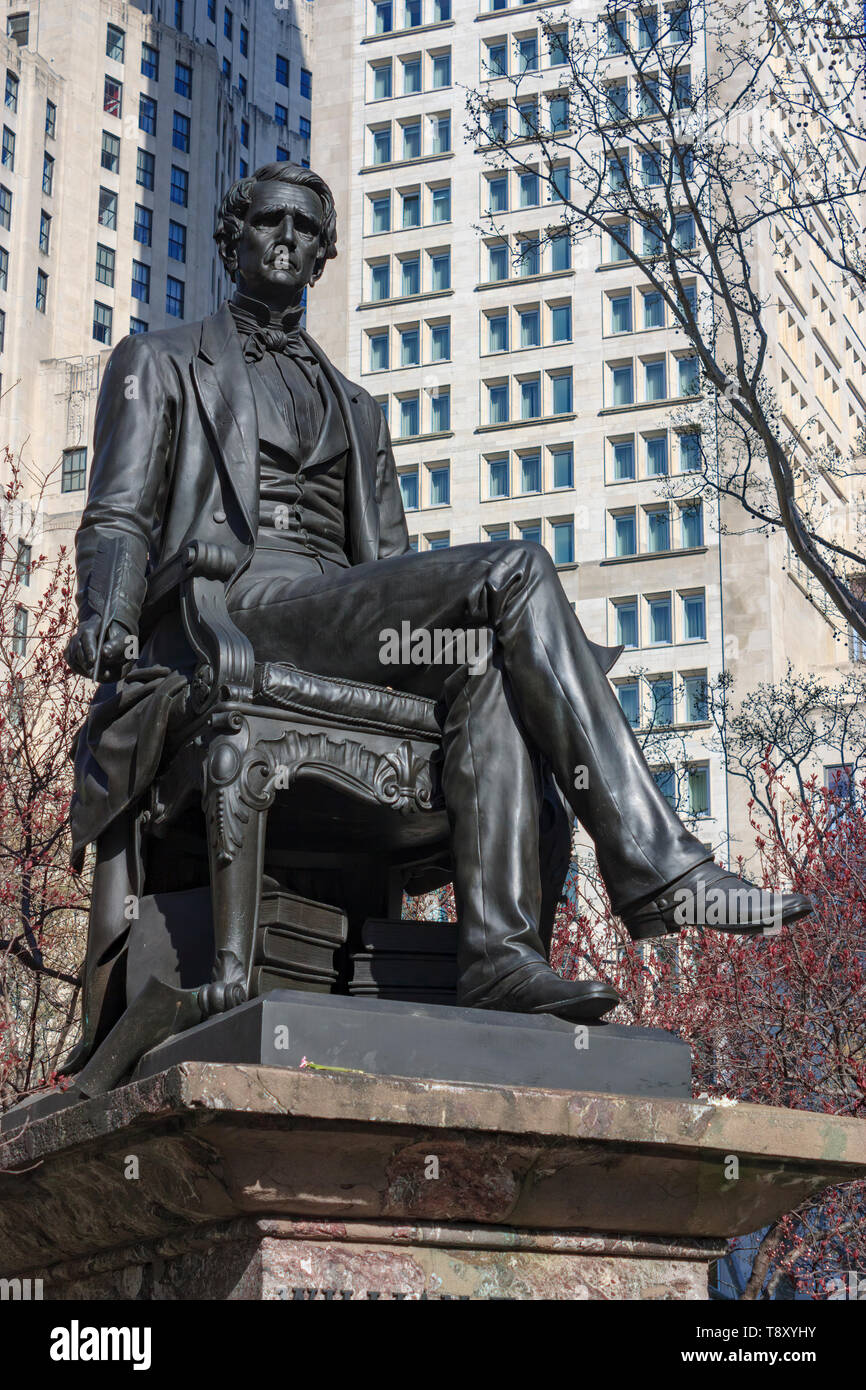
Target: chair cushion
column 371, row 706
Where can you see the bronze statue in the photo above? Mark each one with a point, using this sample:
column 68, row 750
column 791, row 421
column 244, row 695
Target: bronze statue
column 237, row 432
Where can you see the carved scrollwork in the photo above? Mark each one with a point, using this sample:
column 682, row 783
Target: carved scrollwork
column 243, row 780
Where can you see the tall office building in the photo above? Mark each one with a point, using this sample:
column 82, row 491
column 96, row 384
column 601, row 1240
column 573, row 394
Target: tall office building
column 122, row 125
column 540, row 393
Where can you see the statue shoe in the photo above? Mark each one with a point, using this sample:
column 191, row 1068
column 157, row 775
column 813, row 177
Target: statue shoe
column 710, row 896
column 536, row 989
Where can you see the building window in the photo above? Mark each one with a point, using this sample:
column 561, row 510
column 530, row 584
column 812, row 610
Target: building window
column 137, row 326
column 655, row 381
column 620, row 313
column 380, row 281
column 180, row 132
column 497, row 401
column 530, row 398
column 690, row 453
column 695, row 691
column 108, row 209
column 409, row 489
column 282, row 70
column 211, row 10
column 73, row 470
column 281, row 114
column 665, row 780
column 174, row 297
column 440, row 342
column 563, row 542
column 45, row 233
column 11, row 98
column 4, row 268
column 178, row 14
column 692, row 523
column 625, row 534
column 528, row 185
column 150, row 62
column 179, row 186
column 529, row 252
column 694, row 618
column 440, row 266
column 411, row 14
column 440, row 403
column 531, row 532
column 306, row 84
column 657, row 456
column 244, row 41
column 699, row 791
column 527, row 54
column 23, row 563
column 382, row 80
column 51, row 119
column 562, row 393
column 103, row 316
column 622, row 382
column 497, row 331
column 228, row 24
column 384, row 20
column 626, row 623
column 441, row 135
column 145, row 169
column 183, row 79
column 412, row 140
column 628, row 694
column 560, row 252
column 497, row 477
column 141, row 281
column 380, row 214
column 305, row 129
column 530, row 472
column 177, row 241
column 105, row 260
column 560, row 323
column 410, row 346
column 245, row 133
column 563, row 468
column 441, row 11
column 19, row 632
column 658, row 529
column 660, row 624
column 440, row 485
column 114, row 43
column 110, row 152
column 147, row 115
column 411, row 209
column 619, row 240
column 5, row 207
column 112, row 101
column 688, row 376
column 379, row 352
column 48, row 174
column 8, row 156
column 497, row 194
column 623, row 460
column 441, row 70
column 497, row 262
column 410, row 276
column 409, row 424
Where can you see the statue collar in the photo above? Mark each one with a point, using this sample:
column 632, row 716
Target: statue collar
column 251, row 314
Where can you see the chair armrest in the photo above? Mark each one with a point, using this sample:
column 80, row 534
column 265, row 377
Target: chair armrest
column 195, row 580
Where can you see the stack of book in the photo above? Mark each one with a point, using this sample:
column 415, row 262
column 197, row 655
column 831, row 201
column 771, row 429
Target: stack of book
column 413, row 961
column 296, row 943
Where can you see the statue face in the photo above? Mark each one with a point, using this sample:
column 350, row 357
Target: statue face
column 280, row 243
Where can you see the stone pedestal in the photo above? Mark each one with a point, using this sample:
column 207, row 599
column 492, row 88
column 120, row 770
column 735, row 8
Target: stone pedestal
column 225, row 1181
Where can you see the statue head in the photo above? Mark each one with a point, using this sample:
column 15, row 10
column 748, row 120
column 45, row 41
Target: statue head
column 276, row 231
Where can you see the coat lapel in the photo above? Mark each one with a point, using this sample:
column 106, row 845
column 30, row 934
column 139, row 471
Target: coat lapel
column 225, row 394
column 362, row 513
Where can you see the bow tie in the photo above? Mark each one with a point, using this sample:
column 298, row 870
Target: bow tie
column 263, row 340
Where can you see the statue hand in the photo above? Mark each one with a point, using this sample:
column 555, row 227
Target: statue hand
column 81, row 653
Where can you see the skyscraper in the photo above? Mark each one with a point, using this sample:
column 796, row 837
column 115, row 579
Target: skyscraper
column 537, row 389
column 123, row 124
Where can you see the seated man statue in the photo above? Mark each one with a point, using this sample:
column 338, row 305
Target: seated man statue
column 239, row 431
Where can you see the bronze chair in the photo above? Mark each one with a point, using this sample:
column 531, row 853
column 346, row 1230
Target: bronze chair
column 329, row 786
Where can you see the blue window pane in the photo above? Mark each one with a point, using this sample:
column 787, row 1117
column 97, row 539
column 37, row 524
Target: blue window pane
column 623, row 461
column 694, row 618
column 530, row 473
column 563, row 468
column 560, row 323
column 657, row 457
column 440, row 487
column 563, row 542
column 629, row 699
column 625, row 534
column 498, row 477
column 562, row 394
column 620, row 314
column 660, row 620
column 409, row 490
column 626, row 624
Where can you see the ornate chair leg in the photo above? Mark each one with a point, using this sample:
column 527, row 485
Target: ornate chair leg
column 236, row 800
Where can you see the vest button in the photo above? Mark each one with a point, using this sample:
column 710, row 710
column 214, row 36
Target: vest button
column 219, row 516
